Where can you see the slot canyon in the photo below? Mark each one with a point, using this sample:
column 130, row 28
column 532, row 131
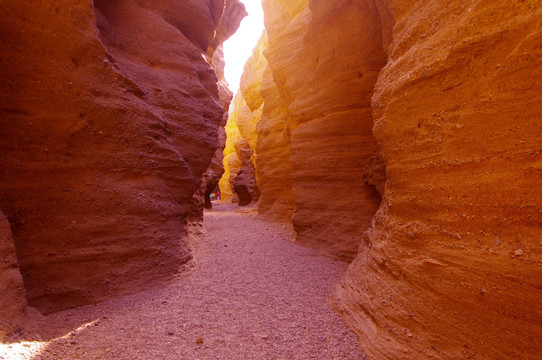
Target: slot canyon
column 380, row 171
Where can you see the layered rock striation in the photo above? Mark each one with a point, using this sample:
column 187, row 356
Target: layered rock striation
column 404, row 133
column 308, row 94
column 273, row 167
column 110, row 116
column 450, row 268
column 326, row 85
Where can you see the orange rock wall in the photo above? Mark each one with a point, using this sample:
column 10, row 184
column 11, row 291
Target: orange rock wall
column 451, row 267
column 110, row 116
column 239, row 180
column 434, row 107
column 325, row 86
column 273, row 167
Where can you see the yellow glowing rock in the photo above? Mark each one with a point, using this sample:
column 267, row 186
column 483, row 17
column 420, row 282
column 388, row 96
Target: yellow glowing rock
column 246, row 112
column 251, row 80
column 231, row 161
column 247, row 121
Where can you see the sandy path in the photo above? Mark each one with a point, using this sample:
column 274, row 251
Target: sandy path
column 254, row 295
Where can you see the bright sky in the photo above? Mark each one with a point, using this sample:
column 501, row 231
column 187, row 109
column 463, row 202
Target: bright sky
column 238, row 48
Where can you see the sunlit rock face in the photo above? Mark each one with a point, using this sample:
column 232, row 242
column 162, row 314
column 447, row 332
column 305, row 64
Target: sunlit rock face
column 273, row 167
column 240, row 182
column 325, row 86
column 451, row 267
column 231, row 162
column 429, row 112
column 111, row 115
column 12, row 301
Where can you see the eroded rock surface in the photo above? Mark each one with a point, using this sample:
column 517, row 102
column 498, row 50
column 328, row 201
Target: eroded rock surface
column 110, row 116
column 244, row 182
column 231, row 162
column 240, row 181
column 429, row 112
column 451, row 268
column 273, row 167
column 12, row 301
column 331, row 122
column 308, row 92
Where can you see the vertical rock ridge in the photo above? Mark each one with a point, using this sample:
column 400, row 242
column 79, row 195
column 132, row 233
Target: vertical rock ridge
column 110, row 116
column 325, row 86
column 309, row 100
column 273, row 162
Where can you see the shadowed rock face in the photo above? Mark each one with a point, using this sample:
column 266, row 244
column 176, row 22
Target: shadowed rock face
column 110, row 116
column 244, row 183
column 12, row 301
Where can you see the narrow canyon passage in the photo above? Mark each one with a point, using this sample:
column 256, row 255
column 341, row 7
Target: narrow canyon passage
column 253, row 295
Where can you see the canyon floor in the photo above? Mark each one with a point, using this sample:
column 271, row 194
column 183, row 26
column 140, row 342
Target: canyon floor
column 254, row 294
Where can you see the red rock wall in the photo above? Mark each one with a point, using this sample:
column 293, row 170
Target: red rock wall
column 451, row 267
column 12, row 301
column 110, row 116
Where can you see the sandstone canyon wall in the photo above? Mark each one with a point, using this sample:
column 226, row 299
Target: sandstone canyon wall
column 312, row 111
column 12, row 301
column 451, row 267
column 110, row 116
column 240, row 154
column 325, row 83
column 231, row 162
column 429, row 112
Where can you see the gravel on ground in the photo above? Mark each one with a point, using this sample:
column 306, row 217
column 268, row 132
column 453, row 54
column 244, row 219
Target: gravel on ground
column 253, row 295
